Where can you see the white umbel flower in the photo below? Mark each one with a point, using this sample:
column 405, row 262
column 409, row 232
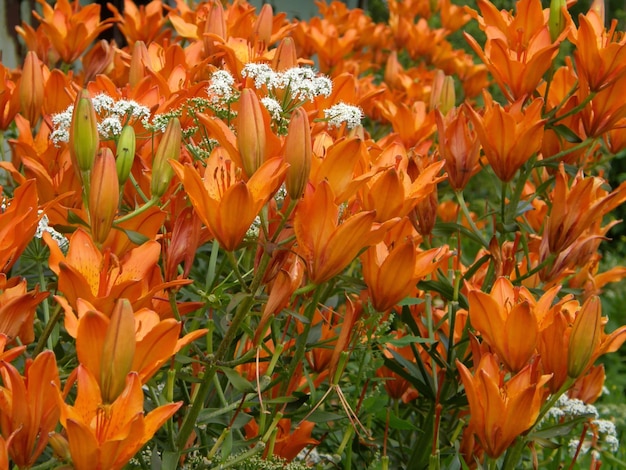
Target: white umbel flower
column 342, row 112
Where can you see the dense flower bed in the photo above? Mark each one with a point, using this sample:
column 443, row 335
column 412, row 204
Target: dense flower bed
column 243, row 241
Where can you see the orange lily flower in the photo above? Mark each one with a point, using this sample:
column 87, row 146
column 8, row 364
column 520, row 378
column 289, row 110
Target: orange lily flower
column 501, row 411
column 288, row 443
column 111, row 347
column 223, row 201
column 600, row 57
column 101, row 277
column 509, row 136
column 106, row 436
column 575, row 208
column 17, row 309
column 506, row 321
column 393, row 193
column 9, row 98
column 391, row 271
column 519, row 49
column 28, row 410
column 70, row 28
column 143, row 23
column 326, row 245
column 459, row 146
column 413, row 124
column 18, row 223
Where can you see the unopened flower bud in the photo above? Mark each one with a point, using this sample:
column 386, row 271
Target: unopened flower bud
column 169, row 148
column 585, row 337
column 84, row 139
column 442, row 96
column 251, row 137
column 262, row 30
column 118, row 351
column 599, row 7
column 60, row 446
column 103, row 196
column 32, row 87
column 298, row 151
column 285, row 57
column 139, row 60
column 215, row 26
column 556, row 20
column 125, row 154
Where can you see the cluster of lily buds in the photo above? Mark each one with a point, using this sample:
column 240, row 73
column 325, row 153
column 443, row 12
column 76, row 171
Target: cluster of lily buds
column 354, row 204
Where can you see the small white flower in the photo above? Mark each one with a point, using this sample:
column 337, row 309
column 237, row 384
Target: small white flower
column 221, row 87
column 131, row 108
column 273, row 107
column 572, row 447
column 110, row 127
column 58, row 237
column 262, row 74
column 342, row 112
column 102, row 103
column 62, row 122
column 305, row 84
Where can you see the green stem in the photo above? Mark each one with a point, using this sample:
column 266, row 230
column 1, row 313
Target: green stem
column 574, row 110
column 235, row 264
column 47, row 331
column 136, row 212
column 556, row 156
column 461, row 200
column 138, row 188
column 205, row 385
column 301, row 342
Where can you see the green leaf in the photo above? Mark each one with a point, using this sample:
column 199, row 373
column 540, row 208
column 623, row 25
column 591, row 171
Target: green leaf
column 135, row 237
column 561, row 429
column 406, row 340
column 237, row 381
column 569, row 135
column 395, row 422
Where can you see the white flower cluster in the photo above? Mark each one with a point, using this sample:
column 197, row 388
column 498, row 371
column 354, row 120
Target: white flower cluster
column 112, row 116
column 273, row 107
column 342, row 112
column 608, row 433
column 303, row 83
column 221, row 87
column 567, row 407
column 58, row 237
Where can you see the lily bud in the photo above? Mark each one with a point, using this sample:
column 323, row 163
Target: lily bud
column 251, row 137
column 215, row 25
column 139, row 60
column 103, row 196
column 392, row 71
column 263, row 25
column 32, row 88
column 169, row 148
column 84, row 139
column 556, row 20
column 585, row 337
column 298, row 151
column 599, row 7
column 285, row 57
column 60, row 446
column 118, row 351
column 125, row 154
column 442, row 96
